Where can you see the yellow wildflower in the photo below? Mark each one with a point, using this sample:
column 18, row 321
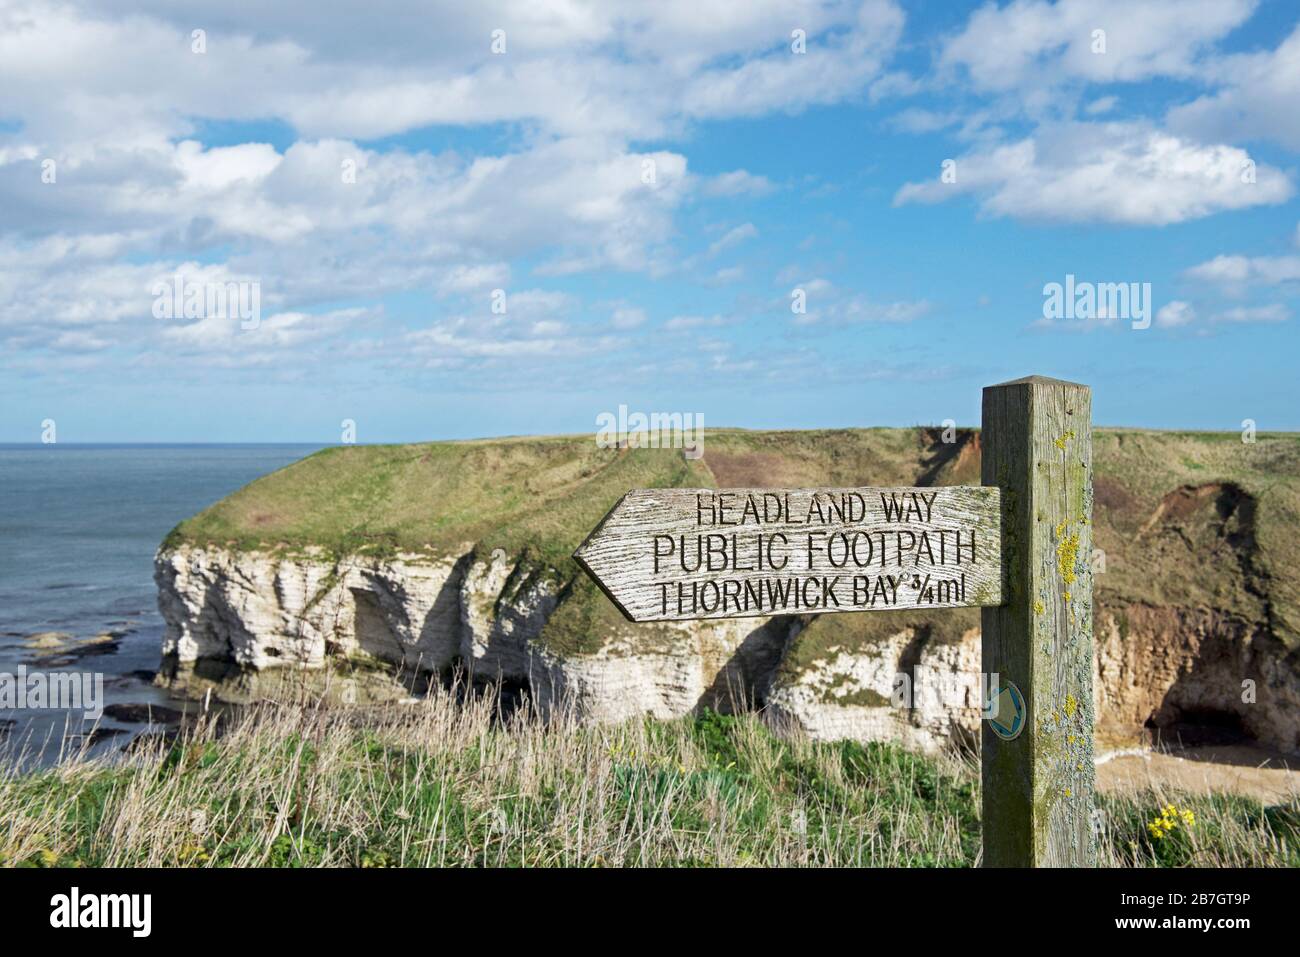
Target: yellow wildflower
column 1167, row 820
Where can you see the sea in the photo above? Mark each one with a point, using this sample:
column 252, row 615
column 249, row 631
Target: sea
column 79, row 527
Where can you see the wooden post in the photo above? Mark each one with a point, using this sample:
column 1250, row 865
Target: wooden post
column 1037, row 761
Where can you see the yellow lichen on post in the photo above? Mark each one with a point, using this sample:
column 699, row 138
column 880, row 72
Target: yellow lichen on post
column 1067, row 553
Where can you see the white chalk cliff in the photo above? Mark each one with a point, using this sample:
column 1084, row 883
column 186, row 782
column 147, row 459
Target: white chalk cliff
column 246, row 615
column 363, row 628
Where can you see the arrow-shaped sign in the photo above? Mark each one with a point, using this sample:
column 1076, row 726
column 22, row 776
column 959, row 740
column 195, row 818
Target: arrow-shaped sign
column 676, row 554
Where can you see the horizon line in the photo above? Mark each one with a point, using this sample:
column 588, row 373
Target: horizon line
column 174, row 443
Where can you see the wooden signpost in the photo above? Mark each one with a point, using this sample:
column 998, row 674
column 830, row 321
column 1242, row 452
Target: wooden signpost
column 1038, row 786
column 664, row 554
column 1019, row 546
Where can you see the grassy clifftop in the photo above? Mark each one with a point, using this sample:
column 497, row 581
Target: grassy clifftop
column 1190, row 519
column 543, row 493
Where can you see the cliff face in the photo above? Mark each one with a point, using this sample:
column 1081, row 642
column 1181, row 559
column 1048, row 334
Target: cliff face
column 251, row 611
column 249, row 623
column 362, row 572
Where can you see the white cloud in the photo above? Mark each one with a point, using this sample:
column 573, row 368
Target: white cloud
column 534, row 304
column 284, row 330
column 74, row 341
column 860, row 309
column 463, row 278
column 1258, row 100
column 60, row 282
column 1248, row 270
column 1033, row 45
column 697, row 322
column 1117, row 172
column 574, row 67
column 494, row 337
column 727, row 276
column 115, row 95
column 826, row 304
column 737, row 183
column 1274, row 312
column 733, row 237
column 917, row 120
column 627, row 317
column 816, row 285
column 549, row 327
column 836, row 64
column 1176, row 313
column 308, row 237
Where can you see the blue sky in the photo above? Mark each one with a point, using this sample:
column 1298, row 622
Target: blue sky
column 647, row 195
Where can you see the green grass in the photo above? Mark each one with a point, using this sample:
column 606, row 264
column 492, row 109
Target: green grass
column 540, row 496
column 441, row 784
